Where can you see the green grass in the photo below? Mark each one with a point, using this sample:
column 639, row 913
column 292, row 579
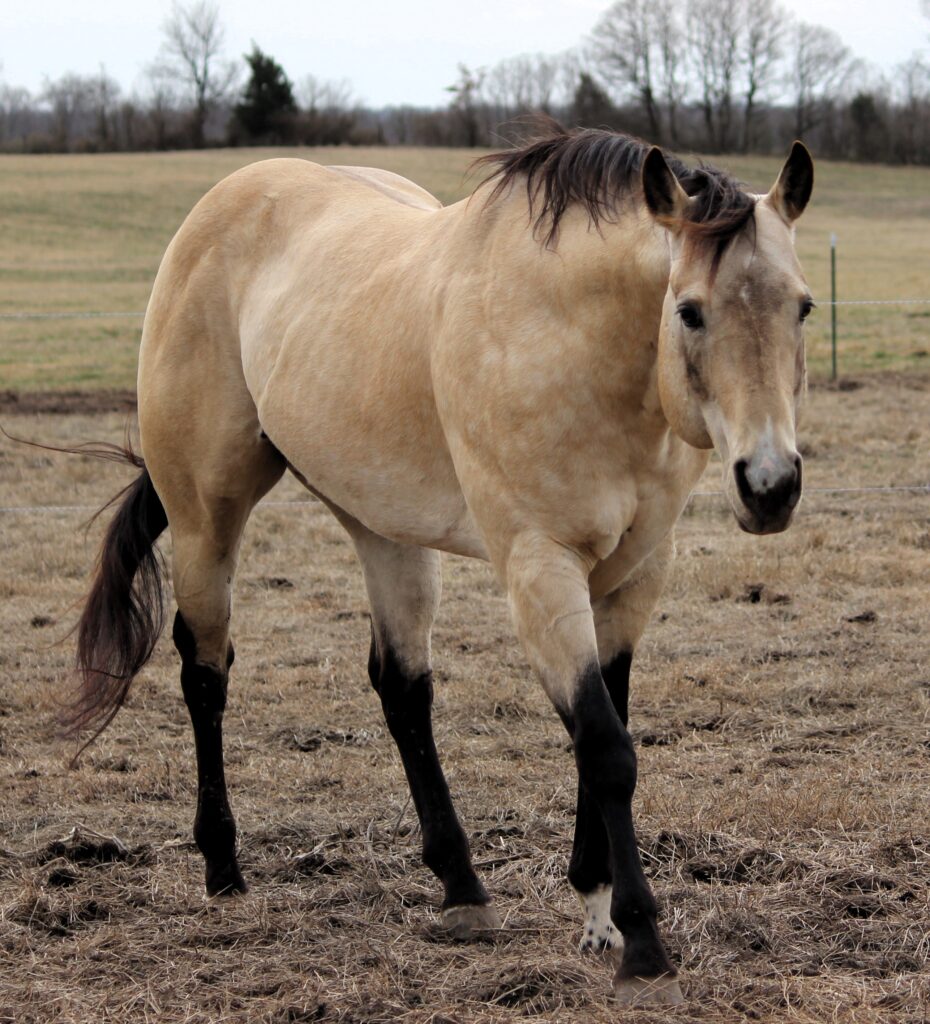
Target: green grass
column 86, row 233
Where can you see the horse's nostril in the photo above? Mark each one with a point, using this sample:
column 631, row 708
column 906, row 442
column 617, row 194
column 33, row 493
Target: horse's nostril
column 795, row 496
column 770, row 496
column 742, row 483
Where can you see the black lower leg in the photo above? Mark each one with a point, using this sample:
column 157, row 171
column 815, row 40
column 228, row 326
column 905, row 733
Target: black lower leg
column 589, row 866
column 204, row 688
column 407, row 703
column 607, row 768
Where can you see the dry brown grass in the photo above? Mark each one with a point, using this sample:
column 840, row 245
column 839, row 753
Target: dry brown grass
column 781, row 703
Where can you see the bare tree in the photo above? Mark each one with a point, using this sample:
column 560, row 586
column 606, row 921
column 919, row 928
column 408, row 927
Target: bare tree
column 715, row 28
column 160, row 102
column 16, row 113
column 103, row 98
column 820, row 65
column 328, row 111
column 623, row 49
column 192, row 54
column 912, row 142
column 325, row 93
column 523, row 83
column 466, row 92
column 760, row 55
column 68, row 99
column 669, row 37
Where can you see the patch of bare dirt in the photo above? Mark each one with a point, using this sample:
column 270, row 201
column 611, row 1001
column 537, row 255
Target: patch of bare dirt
column 67, row 403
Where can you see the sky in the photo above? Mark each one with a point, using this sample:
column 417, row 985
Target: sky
column 405, row 51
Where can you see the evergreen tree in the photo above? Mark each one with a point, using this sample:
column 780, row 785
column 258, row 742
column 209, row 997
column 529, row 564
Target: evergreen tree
column 267, row 110
column 591, row 106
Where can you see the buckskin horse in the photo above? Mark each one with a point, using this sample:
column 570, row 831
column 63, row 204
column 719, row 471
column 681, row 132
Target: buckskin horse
column 535, row 376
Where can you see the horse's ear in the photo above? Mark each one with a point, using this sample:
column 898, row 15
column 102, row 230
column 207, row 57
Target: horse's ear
column 791, row 193
column 665, row 197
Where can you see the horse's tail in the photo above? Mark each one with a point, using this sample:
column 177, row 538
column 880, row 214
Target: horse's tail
column 124, row 612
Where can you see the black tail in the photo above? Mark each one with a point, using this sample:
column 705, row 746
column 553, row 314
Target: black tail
column 125, row 610
column 124, row 613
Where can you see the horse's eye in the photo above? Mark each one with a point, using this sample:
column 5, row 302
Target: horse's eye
column 806, row 306
column 691, row 316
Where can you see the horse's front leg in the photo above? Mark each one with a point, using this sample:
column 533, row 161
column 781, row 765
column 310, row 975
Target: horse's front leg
column 548, row 590
column 619, row 620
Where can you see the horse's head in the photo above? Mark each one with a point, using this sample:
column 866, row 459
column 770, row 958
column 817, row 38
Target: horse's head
column 731, row 348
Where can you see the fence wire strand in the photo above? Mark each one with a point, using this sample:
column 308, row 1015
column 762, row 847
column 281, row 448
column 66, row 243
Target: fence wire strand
column 870, row 489
column 95, row 315
column 67, row 316
column 311, row 503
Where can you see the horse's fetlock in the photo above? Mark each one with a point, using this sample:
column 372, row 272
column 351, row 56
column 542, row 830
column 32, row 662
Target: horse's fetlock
column 448, row 848
column 216, row 837
column 435, row 856
column 634, row 912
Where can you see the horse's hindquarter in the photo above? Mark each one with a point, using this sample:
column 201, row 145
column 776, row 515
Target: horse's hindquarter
column 335, row 323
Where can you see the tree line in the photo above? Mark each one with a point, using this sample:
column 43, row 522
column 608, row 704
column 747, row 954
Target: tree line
column 705, row 75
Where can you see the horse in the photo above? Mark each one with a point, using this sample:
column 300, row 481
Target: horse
column 534, row 376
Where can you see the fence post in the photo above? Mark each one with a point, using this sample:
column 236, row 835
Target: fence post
column 833, row 304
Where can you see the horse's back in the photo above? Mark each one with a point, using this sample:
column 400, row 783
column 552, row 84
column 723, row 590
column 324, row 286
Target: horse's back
column 392, row 185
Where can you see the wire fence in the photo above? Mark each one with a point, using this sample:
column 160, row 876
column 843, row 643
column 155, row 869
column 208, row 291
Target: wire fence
column 80, row 315
column 313, row 503
column 97, row 315
column 72, row 315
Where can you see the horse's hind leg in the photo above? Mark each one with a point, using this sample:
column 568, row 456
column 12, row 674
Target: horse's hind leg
column 209, row 485
column 404, row 586
column 204, row 564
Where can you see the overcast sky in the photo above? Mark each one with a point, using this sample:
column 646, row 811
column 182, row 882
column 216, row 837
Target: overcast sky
column 405, row 51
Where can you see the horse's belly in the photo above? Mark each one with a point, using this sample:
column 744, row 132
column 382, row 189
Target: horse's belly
column 395, row 479
column 394, row 502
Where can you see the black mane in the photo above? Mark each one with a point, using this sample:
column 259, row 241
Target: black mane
column 600, row 170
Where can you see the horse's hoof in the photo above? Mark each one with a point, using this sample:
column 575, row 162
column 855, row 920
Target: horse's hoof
column 470, row 919
column 661, row 991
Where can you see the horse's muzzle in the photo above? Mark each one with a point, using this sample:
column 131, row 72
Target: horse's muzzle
column 768, row 495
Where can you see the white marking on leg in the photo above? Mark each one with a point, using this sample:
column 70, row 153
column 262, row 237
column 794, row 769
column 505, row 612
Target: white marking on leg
column 599, row 933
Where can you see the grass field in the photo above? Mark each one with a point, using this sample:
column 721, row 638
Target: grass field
column 86, row 233
column 781, row 696
column 782, row 712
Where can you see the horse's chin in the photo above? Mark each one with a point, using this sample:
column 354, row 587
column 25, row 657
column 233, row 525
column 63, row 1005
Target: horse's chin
column 750, row 523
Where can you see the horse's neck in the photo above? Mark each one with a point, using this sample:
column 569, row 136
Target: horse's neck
column 592, row 297
column 613, row 283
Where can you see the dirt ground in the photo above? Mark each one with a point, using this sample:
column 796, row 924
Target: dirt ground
column 781, row 706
